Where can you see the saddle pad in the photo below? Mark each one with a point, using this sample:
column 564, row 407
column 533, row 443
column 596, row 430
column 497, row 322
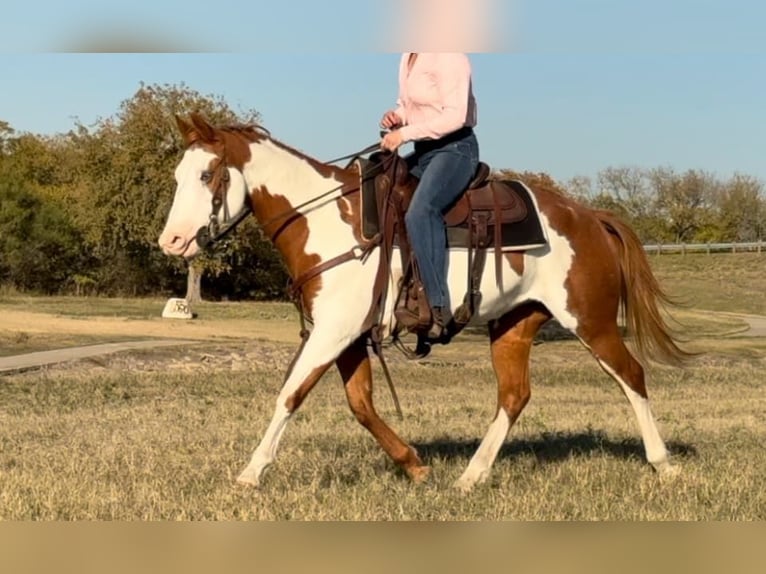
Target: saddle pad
column 527, row 233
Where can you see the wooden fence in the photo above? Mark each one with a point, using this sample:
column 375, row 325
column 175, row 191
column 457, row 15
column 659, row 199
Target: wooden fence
column 684, row 248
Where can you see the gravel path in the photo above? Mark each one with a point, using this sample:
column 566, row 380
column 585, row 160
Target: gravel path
column 757, row 324
column 20, row 363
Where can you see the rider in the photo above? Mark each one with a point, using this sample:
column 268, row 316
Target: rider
column 436, row 110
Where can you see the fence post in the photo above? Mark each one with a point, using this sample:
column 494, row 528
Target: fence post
column 708, row 247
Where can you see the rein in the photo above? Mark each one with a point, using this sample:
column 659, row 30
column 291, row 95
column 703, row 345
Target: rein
column 368, row 149
column 212, row 233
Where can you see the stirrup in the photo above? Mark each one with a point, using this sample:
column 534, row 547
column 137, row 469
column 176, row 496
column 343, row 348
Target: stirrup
column 407, row 317
column 421, row 351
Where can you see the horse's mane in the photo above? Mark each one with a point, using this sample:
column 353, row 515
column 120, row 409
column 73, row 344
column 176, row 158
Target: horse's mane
column 255, row 131
column 248, row 130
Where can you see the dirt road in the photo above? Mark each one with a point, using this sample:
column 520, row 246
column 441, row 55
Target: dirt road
column 173, row 332
column 204, row 329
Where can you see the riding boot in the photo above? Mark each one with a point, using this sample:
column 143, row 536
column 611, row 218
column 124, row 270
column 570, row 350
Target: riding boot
column 438, row 329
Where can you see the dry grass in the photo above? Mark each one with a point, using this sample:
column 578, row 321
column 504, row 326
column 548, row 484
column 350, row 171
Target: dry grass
column 139, row 308
column 734, row 282
column 108, row 444
column 162, row 434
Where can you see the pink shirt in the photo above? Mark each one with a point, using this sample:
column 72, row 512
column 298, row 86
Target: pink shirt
column 435, row 97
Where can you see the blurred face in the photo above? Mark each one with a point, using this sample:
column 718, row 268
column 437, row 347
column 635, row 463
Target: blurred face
column 448, row 25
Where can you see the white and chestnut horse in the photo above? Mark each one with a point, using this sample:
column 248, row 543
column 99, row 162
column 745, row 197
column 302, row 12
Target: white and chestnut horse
column 592, row 266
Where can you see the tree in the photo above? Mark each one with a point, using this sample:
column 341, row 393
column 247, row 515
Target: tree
column 685, row 201
column 6, row 132
column 580, row 188
column 125, row 185
column 111, row 183
column 39, row 248
column 629, row 188
column 742, row 209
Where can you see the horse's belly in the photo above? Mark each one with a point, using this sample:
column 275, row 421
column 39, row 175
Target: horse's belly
column 496, row 300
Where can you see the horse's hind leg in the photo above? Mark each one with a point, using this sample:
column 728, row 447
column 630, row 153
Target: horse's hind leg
column 511, row 340
column 354, row 367
column 611, row 353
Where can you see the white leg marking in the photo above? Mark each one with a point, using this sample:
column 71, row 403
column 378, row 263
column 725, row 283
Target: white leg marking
column 656, row 453
column 319, row 350
column 481, row 463
column 267, row 449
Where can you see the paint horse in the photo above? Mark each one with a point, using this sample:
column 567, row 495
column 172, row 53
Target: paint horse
column 592, row 268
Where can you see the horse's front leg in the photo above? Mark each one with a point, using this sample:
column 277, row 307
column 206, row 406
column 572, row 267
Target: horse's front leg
column 318, row 353
column 354, row 367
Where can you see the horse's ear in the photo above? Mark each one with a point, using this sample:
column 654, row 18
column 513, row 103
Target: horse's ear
column 203, row 127
column 187, row 130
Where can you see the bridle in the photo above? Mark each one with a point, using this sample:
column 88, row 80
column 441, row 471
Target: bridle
column 213, row 232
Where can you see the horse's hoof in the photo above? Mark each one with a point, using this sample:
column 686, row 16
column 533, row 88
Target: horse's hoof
column 419, row 474
column 469, row 479
column 463, row 485
column 668, row 472
column 248, row 478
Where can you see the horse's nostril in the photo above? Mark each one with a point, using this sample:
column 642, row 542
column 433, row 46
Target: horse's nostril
column 172, row 242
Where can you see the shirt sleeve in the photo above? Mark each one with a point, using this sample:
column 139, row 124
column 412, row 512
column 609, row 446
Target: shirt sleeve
column 399, row 110
column 453, row 74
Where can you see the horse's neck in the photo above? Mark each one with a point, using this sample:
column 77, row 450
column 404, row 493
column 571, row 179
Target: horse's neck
column 282, row 180
column 289, row 174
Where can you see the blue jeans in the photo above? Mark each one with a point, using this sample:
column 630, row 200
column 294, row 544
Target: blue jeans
column 445, row 168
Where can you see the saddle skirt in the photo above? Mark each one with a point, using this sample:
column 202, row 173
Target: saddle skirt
column 490, row 213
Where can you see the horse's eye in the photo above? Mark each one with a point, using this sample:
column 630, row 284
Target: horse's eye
column 206, row 176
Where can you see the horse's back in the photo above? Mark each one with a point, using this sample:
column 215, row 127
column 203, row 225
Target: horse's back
column 578, row 254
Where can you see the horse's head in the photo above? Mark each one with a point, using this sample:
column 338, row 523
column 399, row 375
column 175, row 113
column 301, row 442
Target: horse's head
column 209, row 186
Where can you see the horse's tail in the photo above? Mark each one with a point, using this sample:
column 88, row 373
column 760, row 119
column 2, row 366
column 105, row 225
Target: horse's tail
column 641, row 297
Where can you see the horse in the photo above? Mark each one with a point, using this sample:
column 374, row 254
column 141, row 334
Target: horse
column 592, row 268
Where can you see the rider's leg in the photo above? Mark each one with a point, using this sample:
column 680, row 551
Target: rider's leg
column 446, row 172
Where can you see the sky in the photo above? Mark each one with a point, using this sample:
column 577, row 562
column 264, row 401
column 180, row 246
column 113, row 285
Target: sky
column 565, row 87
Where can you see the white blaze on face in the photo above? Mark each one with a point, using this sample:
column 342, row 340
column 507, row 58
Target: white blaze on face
column 192, row 203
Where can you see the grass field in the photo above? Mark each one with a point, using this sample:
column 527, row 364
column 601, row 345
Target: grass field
column 153, row 445
column 163, row 434
column 733, row 282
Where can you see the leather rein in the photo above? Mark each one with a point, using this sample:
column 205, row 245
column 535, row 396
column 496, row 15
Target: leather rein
column 214, row 231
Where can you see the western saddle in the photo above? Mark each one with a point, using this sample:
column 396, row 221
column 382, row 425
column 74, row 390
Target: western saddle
column 474, row 222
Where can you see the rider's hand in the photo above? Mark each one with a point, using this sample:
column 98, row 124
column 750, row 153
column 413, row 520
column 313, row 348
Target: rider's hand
column 391, row 141
column 390, row 120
